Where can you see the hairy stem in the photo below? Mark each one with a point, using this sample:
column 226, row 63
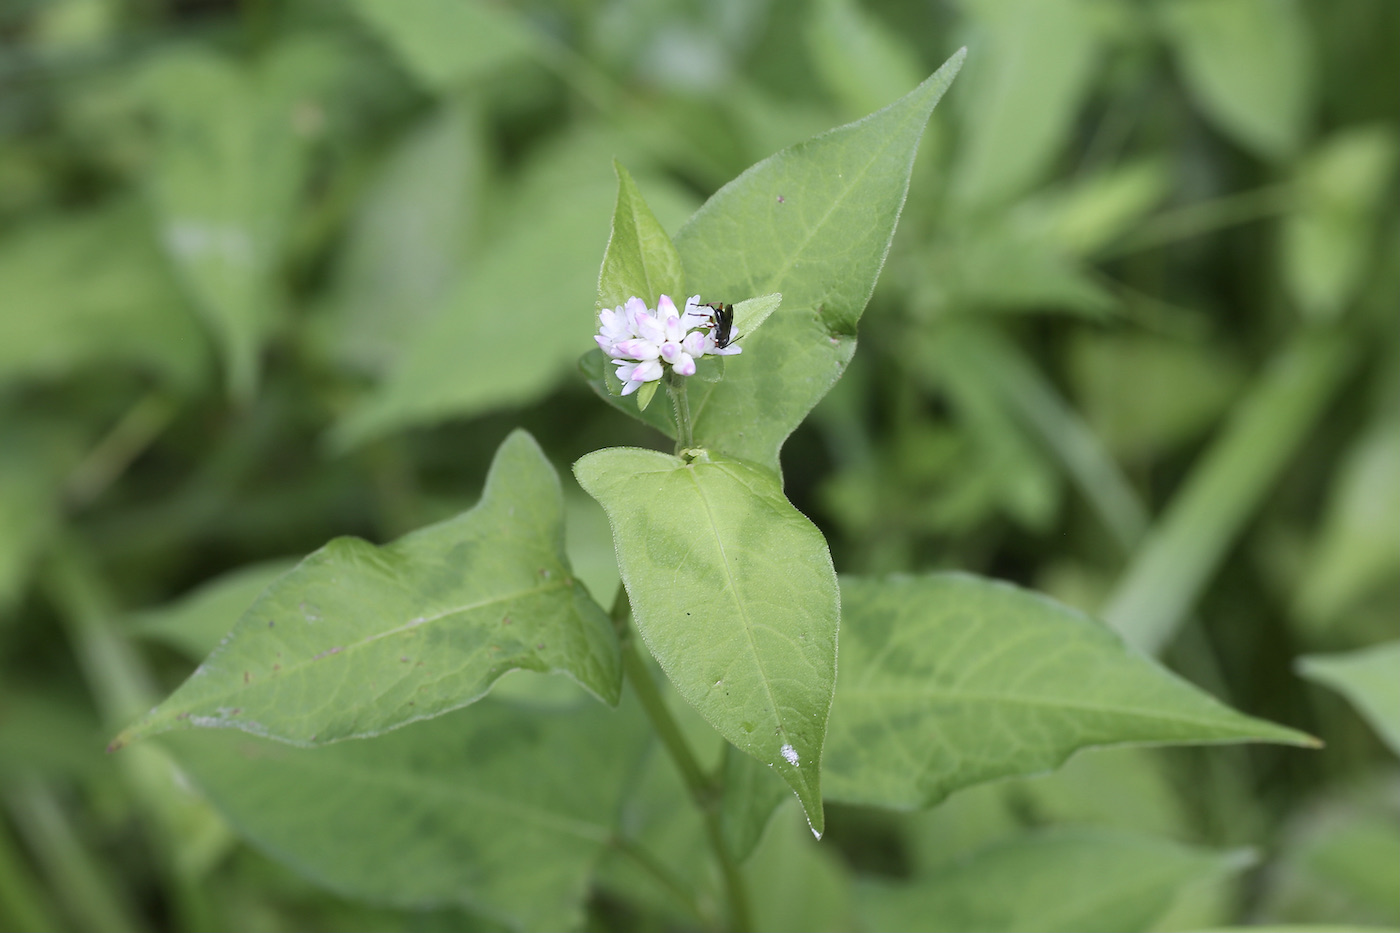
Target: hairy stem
column 704, row 790
column 675, row 386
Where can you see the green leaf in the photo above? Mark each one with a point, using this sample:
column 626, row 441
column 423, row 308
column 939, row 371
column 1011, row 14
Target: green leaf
column 1248, row 64
column 640, row 261
column 1071, row 879
column 90, row 290
column 963, row 359
column 1356, row 552
column 734, row 593
column 230, row 160
column 949, row 680
column 645, row 394
column 34, row 458
column 446, row 43
column 1144, row 394
column 798, row 883
column 1034, row 66
column 405, row 248
column 1337, row 861
column 362, row 639
column 197, row 622
column 751, row 794
column 497, row 808
column 1086, row 215
column 813, row 223
column 533, row 285
column 750, row 313
column 863, row 65
column 1328, row 241
column 993, row 265
column 1369, row 678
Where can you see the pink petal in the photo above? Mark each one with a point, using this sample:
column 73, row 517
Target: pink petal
column 649, row 328
column 638, row 349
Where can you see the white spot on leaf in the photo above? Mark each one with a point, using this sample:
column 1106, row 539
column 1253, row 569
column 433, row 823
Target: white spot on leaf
column 790, row 754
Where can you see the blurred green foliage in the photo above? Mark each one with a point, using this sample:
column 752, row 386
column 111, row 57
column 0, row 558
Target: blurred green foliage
column 275, row 271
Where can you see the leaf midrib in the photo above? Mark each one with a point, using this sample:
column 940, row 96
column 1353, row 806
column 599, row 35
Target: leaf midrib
column 299, row 666
column 1012, row 700
column 739, row 602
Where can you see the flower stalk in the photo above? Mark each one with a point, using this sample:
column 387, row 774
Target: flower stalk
column 706, row 791
column 685, row 437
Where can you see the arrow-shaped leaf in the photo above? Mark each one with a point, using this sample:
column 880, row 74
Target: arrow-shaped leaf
column 360, row 639
column 734, row 593
column 949, row 680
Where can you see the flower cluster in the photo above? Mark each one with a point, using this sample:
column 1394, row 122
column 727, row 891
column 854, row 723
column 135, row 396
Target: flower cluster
column 643, row 342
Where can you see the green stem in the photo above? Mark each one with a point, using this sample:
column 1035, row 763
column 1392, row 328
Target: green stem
column 132, row 434
column 1194, row 220
column 675, row 386
column 89, row 895
column 1183, row 549
column 704, row 791
column 123, row 689
column 24, row 904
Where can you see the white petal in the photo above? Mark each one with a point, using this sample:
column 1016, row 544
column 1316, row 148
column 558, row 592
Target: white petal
column 638, row 349
column 684, row 365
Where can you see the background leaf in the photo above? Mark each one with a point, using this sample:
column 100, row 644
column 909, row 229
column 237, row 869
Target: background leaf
column 1248, row 65
column 1328, row 241
column 734, row 594
column 814, row 223
column 948, row 680
column 472, row 809
column 861, row 62
column 1033, row 67
column 447, row 43
column 1058, row 879
column 1358, row 549
column 407, row 245
column 751, row 795
column 1369, row 678
column 232, row 156
column 520, row 316
column 410, row 630
column 92, row 289
column 199, row 620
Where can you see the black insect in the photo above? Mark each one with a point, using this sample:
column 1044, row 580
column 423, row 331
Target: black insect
column 723, row 316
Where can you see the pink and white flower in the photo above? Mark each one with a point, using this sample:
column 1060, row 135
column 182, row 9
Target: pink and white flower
column 644, row 343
